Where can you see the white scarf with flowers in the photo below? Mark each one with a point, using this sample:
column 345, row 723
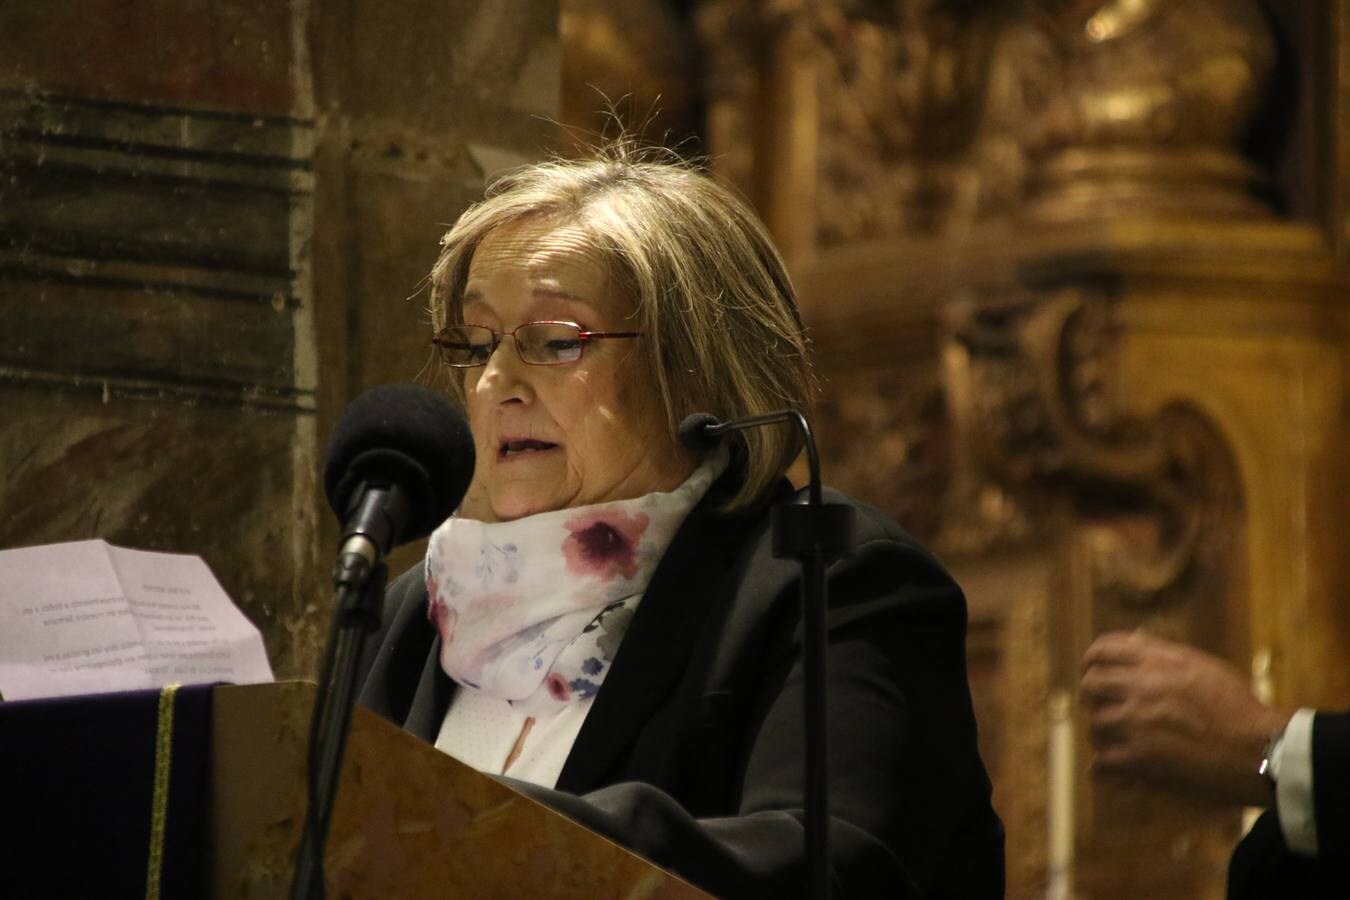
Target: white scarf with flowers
column 533, row 610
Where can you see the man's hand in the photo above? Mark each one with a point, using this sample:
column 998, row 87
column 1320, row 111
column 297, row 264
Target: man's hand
column 1176, row 717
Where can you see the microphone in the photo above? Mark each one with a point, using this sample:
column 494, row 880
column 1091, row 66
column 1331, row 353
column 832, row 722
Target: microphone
column 702, row 432
column 813, row 533
column 398, row 463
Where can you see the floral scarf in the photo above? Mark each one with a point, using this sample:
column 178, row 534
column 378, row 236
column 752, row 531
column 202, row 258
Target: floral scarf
column 532, row 611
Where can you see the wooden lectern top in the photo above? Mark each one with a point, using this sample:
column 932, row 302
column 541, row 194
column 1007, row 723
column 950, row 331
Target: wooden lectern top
column 409, row 822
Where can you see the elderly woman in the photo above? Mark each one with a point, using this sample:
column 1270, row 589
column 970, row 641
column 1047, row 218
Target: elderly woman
column 603, row 620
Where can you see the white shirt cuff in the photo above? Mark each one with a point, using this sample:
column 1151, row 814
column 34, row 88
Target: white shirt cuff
column 1292, row 765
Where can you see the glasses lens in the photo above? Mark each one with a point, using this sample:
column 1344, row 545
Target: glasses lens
column 464, row 345
column 549, row 343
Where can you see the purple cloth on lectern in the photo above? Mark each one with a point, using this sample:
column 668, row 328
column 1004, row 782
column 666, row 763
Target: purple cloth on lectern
column 77, row 778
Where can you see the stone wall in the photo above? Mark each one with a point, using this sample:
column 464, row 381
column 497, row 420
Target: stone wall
column 214, row 218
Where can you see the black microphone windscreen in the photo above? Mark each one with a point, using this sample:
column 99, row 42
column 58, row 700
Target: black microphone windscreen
column 694, row 432
column 406, row 435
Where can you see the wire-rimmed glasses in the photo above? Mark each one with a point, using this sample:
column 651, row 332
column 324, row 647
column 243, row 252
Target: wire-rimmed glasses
column 538, row 343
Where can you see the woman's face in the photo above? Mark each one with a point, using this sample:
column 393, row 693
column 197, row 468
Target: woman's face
column 553, row 437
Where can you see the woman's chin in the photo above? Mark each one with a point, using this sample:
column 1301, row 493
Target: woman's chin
column 512, row 505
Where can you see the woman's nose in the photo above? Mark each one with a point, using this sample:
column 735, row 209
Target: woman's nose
column 505, row 378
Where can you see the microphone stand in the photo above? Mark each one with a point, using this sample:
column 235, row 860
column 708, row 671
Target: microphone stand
column 815, row 534
column 359, row 587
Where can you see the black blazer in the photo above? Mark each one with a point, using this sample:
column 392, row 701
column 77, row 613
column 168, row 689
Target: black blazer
column 692, row 753
column 1263, row 866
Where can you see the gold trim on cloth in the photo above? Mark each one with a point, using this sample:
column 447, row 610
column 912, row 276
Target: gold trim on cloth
column 159, row 804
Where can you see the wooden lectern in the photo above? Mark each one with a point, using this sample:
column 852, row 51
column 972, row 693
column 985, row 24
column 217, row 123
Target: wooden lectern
column 409, row 820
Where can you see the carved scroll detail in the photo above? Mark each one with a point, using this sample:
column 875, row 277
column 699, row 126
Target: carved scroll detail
column 1045, row 422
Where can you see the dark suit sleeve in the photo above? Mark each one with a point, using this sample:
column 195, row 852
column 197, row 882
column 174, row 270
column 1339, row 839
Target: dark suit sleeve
column 909, row 795
column 1331, row 785
column 1264, row 868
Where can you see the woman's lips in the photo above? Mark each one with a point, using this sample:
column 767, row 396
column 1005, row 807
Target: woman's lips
column 522, row 448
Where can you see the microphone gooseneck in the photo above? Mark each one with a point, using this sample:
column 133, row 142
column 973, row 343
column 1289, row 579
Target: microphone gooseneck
column 814, row 533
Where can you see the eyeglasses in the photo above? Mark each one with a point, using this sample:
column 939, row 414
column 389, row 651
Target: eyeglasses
column 538, row 343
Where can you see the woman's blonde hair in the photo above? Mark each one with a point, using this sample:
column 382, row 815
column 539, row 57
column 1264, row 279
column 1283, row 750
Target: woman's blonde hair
column 721, row 329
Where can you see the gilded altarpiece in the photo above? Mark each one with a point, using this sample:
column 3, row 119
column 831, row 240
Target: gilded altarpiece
column 1074, row 275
